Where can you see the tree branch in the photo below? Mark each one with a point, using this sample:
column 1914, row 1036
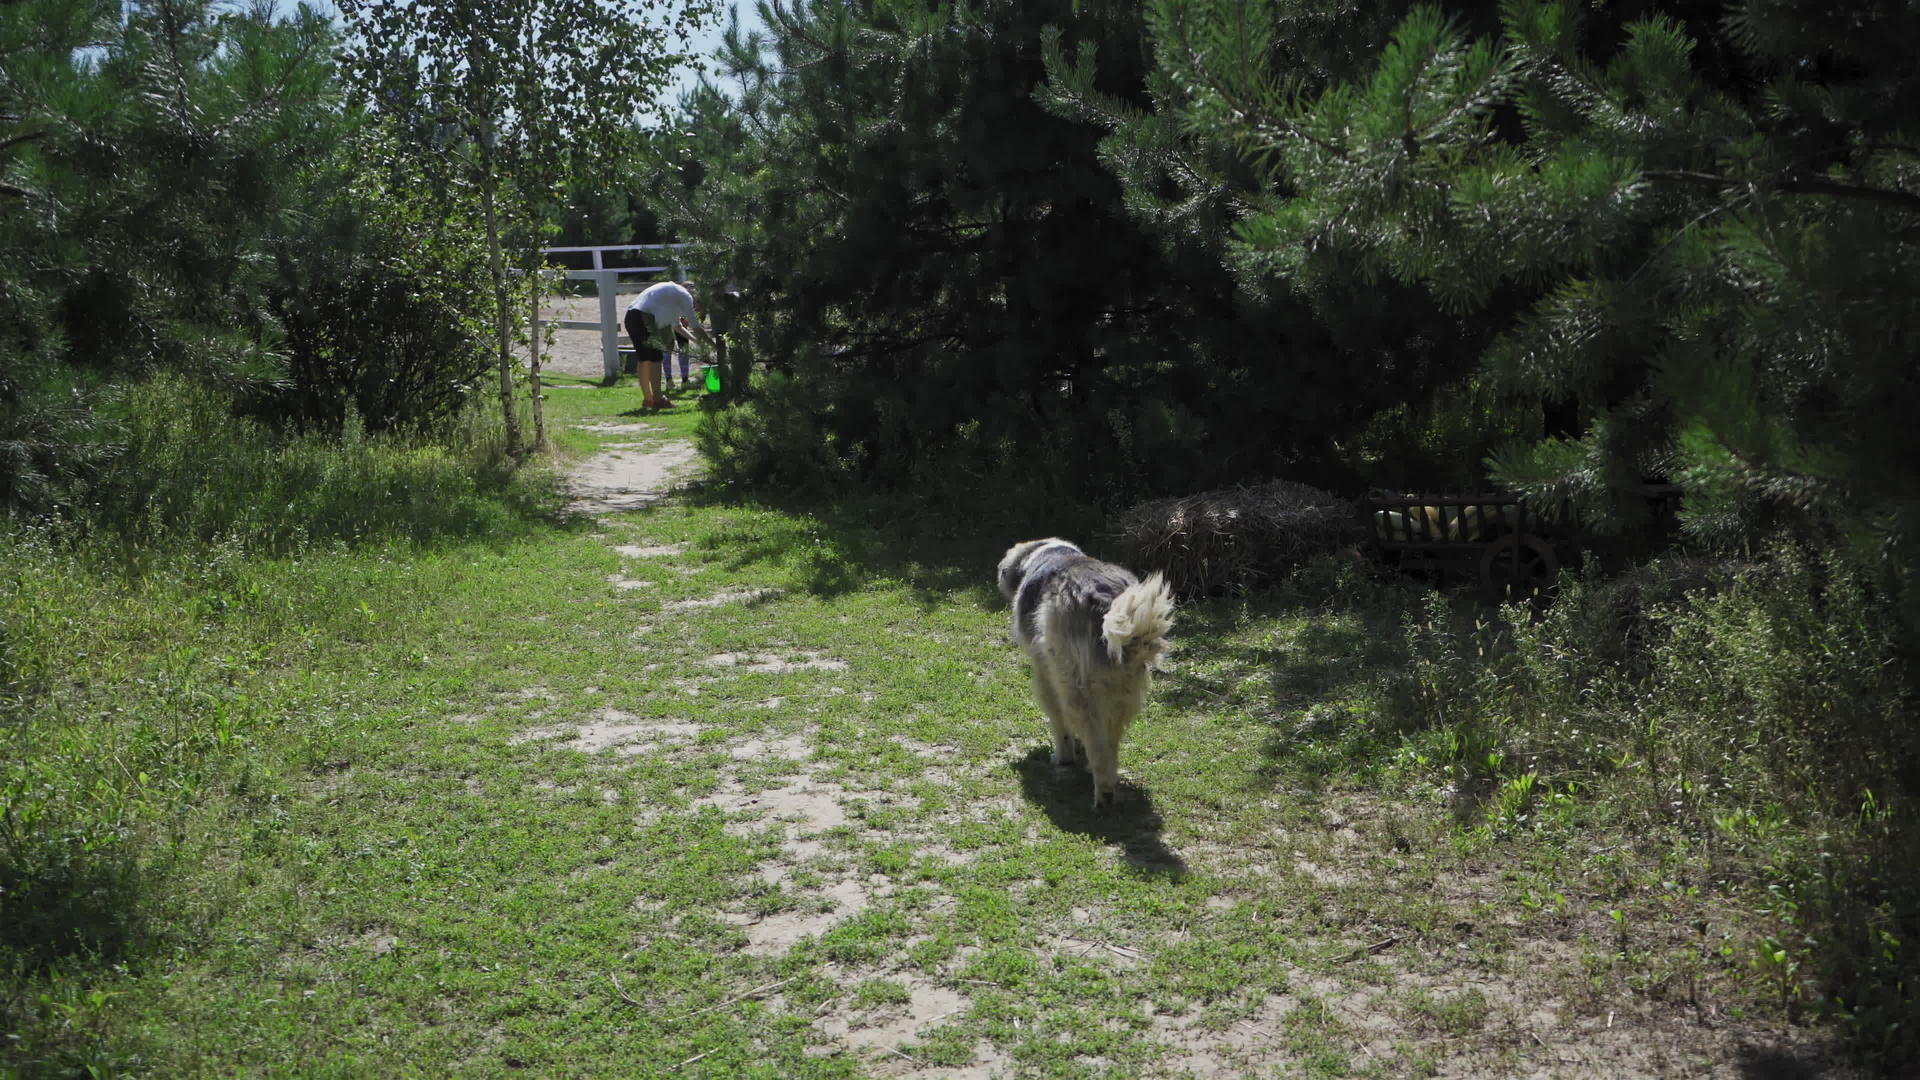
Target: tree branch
column 31, row 136
column 1810, row 185
column 272, row 96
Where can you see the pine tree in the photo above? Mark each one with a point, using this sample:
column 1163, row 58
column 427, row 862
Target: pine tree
column 184, row 189
column 1309, row 362
column 937, row 248
column 151, row 150
column 1691, row 235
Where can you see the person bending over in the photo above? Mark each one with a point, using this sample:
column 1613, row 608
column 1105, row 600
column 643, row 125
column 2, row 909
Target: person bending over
column 656, row 317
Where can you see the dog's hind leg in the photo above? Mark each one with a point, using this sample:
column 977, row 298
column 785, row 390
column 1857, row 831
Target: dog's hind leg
column 1103, row 761
column 1102, row 741
column 1108, row 710
column 1064, row 744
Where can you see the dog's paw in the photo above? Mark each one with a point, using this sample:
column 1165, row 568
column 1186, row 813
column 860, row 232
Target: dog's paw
column 1064, row 761
column 1105, row 800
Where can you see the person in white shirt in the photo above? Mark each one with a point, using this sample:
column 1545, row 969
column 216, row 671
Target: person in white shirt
column 660, row 315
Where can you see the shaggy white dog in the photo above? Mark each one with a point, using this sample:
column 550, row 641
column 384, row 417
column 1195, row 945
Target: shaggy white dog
column 1093, row 630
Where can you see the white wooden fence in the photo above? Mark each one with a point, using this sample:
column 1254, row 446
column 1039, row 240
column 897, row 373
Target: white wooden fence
column 605, row 282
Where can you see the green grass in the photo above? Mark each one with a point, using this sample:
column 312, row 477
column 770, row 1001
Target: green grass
column 321, row 812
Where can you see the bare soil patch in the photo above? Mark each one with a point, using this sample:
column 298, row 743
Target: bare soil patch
column 778, row 932
column 776, row 663
column 808, row 806
column 725, row 596
column 792, row 748
column 611, row 729
column 897, row 1025
column 616, row 480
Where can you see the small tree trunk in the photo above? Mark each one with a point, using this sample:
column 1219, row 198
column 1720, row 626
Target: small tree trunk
column 737, row 370
column 533, row 372
column 496, row 263
column 735, row 366
column 535, row 260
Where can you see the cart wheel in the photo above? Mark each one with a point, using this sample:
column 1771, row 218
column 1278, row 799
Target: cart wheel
column 1518, row 568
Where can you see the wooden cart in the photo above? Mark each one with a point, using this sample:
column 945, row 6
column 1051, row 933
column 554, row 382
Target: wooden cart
column 1493, row 537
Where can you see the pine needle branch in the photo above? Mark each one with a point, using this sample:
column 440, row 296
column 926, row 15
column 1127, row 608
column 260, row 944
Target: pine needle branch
column 1905, row 200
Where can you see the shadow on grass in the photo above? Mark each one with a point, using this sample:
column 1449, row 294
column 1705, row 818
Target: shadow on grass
column 1330, row 656
column 89, row 907
column 1133, row 824
column 835, row 549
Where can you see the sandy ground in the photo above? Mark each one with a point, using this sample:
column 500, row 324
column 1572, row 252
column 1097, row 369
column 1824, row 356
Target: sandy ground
column 629, row 475
column 577, row 352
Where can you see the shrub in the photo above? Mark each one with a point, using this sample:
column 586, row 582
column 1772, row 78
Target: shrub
column 193, row 470
column 380, row 301
column 1757, row 711
column 770, row 441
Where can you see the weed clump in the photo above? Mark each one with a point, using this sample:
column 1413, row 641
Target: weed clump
column 1747, row 721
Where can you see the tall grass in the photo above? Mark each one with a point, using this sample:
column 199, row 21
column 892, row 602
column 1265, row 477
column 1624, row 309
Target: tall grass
column 192, row 472
column 1755, row 714
column 149, row 657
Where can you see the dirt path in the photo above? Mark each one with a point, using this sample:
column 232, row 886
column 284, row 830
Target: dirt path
column 908, row 869
column 801, row 812
column 629, row 475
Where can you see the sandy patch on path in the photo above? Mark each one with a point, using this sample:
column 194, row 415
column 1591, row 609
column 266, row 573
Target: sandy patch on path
column 798, row 815
column 809, row 806
column 776, row 933
column 724, row 597
column 791, row 748
column 652, row 551
column 895, row 1026
column 775, row 663
column 611, row 729
column 616, row 480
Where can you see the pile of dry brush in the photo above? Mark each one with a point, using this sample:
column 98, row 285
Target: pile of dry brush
column 1237, row 538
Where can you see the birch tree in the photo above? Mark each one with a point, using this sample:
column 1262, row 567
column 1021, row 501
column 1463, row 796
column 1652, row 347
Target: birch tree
column 511, row 98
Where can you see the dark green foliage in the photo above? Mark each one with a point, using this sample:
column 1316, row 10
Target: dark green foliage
column 177, row 153
column 952, row 274
column 1616, row 248
column 188, row 193
column 1686, row 239
column 1750, row 711
column 376, row 295
column 45, row 421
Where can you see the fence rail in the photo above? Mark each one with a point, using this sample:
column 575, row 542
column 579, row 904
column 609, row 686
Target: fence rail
column 606, row 280
column 599, row 256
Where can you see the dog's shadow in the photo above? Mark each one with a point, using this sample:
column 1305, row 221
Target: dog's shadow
column 1131, row 824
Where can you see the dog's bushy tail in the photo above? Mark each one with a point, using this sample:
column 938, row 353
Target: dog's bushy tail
column 1136, row 625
